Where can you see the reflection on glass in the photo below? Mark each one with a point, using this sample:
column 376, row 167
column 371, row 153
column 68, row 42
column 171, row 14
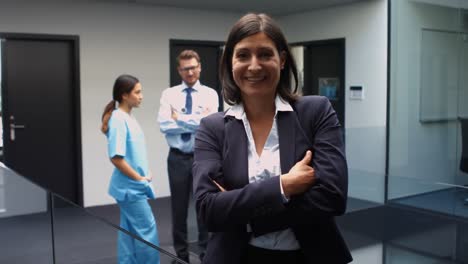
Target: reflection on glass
column 1, row 121
column 401, row 255
column 439, row 75
column 25, row 230
column 37, row 226
column 428, row 96
column 82, row 237
column 2, row 194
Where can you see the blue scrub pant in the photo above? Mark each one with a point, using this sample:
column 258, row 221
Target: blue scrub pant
column 138, row 219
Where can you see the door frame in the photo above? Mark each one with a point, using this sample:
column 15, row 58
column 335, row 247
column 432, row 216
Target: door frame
column 337, row 41
column 75, row 42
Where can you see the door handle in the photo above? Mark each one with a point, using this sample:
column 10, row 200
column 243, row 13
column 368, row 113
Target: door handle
column 13, row 127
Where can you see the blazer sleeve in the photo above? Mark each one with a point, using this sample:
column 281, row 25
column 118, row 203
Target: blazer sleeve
column 229, row 210
column 329, row 193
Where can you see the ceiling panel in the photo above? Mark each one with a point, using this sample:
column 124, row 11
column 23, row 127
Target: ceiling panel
column 272, row 7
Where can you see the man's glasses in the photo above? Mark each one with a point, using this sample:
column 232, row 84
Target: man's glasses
column 191, row 68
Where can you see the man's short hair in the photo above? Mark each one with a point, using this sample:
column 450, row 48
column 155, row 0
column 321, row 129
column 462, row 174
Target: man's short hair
column 187, row 55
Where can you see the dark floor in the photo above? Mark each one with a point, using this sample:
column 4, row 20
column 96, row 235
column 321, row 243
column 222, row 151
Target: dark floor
column 89, row 237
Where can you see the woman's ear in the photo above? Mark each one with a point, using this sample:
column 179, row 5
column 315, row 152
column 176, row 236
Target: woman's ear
column 124, row 97
column 282, row 58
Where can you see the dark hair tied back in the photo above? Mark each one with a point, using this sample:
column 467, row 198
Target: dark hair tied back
column 124, row 84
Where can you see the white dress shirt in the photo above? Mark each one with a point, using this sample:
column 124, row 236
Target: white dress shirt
column 204, row 102
column 263, row 167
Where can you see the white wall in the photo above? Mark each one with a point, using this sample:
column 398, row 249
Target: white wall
column 121, row 38
column 115, row 39
column 364, row 27
column 298, row 54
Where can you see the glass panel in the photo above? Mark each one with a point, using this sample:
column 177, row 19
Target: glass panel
column 461, row 165
column 1, row 121
column 448, row 199
column 427, row 146
column 365, row 189
column 439, row 75
column 25, row 222
column 2, row 194
column 428, row 97
column 161, row 208
column 2, row 188
column 84, row 237
column 419, row 236
column 399, row 255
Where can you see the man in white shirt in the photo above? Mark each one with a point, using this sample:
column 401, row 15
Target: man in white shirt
column 181, row 109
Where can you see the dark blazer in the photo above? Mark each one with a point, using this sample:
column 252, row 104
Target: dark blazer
column 221, row 154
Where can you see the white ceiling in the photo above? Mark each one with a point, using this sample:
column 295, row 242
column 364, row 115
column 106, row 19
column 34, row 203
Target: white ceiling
column 272, row 7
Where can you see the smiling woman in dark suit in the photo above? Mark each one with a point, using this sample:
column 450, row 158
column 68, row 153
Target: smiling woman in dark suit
column 270, row 173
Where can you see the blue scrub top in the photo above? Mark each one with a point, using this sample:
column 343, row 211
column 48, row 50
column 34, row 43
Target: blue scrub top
column 126, row 139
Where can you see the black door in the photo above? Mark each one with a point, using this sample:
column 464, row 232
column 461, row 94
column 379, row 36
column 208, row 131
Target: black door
column 41, row 113
column 324, row 72
column 210, row 53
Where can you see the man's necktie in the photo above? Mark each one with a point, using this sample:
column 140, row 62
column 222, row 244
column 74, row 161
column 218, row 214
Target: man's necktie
column 188, row 109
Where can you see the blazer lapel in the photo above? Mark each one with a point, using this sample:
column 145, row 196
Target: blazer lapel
column 293, row 141
column 287, row 139
column 235, row 149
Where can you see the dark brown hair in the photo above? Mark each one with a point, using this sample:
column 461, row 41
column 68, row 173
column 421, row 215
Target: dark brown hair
column 124, row 84
column 246, row 26
column 187, row 55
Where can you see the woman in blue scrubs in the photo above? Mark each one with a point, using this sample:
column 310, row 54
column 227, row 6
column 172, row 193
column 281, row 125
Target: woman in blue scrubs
column 131, row 181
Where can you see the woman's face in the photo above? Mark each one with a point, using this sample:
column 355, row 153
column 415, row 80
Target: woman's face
column 134, row 98
column 256, row 66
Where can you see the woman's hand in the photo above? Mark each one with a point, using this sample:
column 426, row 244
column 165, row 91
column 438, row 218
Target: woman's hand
column 149, row 177
column 299, row 178
column 126, row 169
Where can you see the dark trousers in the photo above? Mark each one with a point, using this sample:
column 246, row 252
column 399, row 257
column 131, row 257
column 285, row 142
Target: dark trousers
column 179, row 167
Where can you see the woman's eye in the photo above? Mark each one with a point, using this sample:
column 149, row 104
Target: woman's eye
column 241, row 55
column 265, row 55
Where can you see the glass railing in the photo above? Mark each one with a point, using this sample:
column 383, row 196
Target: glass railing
column 80, row 236
column 25, row 221
column 38, row 226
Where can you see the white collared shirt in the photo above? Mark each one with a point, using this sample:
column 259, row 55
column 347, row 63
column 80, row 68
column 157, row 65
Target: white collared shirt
column 263, row 167
column 205, row 102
